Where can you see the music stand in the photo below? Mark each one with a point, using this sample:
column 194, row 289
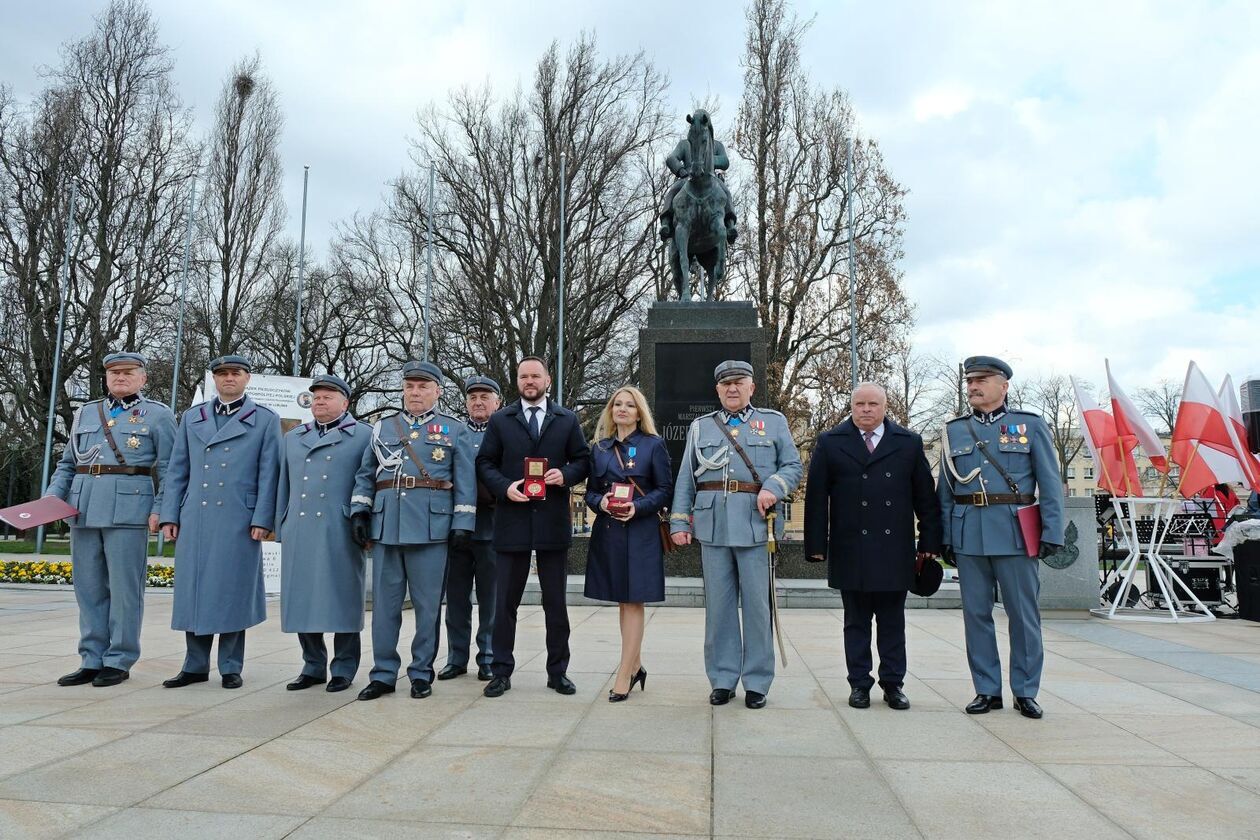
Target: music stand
column 1146, row 545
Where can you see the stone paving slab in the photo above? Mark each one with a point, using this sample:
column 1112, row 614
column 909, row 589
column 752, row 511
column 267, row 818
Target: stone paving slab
column 1131, row 710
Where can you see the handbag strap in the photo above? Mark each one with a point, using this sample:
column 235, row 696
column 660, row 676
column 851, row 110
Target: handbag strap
column 661, row 514
column 742, row 454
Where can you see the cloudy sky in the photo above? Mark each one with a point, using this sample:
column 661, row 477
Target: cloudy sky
column 1083, row 176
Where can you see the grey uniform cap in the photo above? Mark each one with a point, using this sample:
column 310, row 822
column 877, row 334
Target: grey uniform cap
column 986, row 365
column 231, row 361
column 481, row 383
column 732, row 369
column 332, row 382
column 124, row 359
column 423, row 370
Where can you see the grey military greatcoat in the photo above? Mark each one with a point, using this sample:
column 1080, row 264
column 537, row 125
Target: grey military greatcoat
column 222, row 482
column 321, row 569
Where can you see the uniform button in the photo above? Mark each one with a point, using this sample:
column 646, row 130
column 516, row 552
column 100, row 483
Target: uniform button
column 227, row 449
column 303, row 495
column 324, row 477
column 887, row 531
column 327, row 457
column 223, row 464
column 308, row 460
column 303, row 513
column 864, row 503
column 203, row 504
column 863, row 475
column 220, row 483
column 863, row 531
column 305, row 477
column 887, row 504
column 220, row 504
column 205, row 466
column 403, row 493
column 204, row 484
column 322, row 495
column 319, row 513
column 887, row 475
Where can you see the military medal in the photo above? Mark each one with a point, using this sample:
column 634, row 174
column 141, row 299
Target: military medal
column 439, row 454
column 134, row 418
column 111, row 422
column 630, row 461
column 1023, row 439
column 414, row 434
column 133, row 442
column 1004, row 439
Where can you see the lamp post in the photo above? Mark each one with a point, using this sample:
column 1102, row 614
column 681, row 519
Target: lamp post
column 560, row 309
column 853, row 310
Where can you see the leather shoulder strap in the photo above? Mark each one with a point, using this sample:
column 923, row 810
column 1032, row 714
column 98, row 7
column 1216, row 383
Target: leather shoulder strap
column 983, row 446
column 109, row 434
column 738, row 448
column 405, row 437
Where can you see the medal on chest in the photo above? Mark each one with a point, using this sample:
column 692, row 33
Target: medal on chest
column 439, row 454
column 630, row 460
column 133, row 442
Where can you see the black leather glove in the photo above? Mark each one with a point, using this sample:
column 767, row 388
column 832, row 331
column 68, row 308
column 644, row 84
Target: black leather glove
column 361, row 528
column 947, row 554
column 459, row 539
column 1047, row 549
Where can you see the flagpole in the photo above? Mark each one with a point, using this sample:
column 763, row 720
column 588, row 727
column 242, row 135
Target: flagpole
column 1186, row 469
column 297, row 321
column 55, row 388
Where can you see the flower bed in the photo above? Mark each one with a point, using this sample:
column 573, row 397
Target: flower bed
column 60, row 571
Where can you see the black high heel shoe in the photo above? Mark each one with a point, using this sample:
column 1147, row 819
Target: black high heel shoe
column 618, row 697
column 640, row 678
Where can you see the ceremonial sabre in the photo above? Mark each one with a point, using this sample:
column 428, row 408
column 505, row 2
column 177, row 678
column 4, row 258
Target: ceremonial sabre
column 772, row 547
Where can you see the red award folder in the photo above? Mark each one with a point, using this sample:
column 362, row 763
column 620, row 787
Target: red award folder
column 622, row 495
column 1030, row 526
column 534, row 487
column 39, row 512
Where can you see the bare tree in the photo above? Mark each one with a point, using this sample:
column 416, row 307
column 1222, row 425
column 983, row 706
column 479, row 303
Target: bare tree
column 793, row 261
column 1053, row 398
column 244, row 210
column 1161, row 403
column 497, row 225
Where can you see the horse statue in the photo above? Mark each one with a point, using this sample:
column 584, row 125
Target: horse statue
column 699, row 222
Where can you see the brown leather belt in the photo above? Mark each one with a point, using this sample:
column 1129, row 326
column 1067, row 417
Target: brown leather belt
column 980, row 500
column 731, row 486
column 109, row 469
column 411, row 482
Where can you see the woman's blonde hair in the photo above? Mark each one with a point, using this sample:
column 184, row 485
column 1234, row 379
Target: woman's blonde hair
column 607, row 428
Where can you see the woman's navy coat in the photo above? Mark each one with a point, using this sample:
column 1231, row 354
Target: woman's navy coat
column 625, row 563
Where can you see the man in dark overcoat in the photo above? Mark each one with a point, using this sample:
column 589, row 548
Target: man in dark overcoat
column 532, row 427
column 868, row 481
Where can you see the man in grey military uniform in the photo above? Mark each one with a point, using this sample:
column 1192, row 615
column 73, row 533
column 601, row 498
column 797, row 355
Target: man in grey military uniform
column 415, row 491
column 474, row 563
column 722, row 500
column 995, row 460
column 219, row 505
column 321, row 567
column 113, row 472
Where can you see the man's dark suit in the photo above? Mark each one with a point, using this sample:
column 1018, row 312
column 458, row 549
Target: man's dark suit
column 542, row 525
column 860, row 509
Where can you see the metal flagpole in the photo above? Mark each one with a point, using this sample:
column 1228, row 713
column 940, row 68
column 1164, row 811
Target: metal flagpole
column 560, row 316
column 54, row 388
column 183, row 293
column 297, row 328
column 853, row 321
column 428, row 279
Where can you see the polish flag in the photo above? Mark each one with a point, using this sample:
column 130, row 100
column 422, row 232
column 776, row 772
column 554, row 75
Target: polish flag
column 1227, row 399
column 1117, row 470
column 1201, row 443
column 1130, row 422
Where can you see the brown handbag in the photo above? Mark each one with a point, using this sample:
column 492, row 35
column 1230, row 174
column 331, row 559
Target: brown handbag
column 662, row 515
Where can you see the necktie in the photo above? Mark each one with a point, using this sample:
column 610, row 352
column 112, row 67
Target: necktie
column 534, row 429
column 870, row 441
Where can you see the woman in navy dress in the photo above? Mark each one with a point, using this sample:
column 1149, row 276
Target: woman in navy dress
column 625, row 562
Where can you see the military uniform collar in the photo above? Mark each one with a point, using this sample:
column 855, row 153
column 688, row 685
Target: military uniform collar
column 228, row 409
column 124, row 404
column 990, row 417
column 325, row 428
column 742, row 416
column 474, row 426
column 413, row 420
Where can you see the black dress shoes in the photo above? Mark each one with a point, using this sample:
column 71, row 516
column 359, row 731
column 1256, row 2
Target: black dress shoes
column 860, row 698
column 484, row 673
column 450, row 672
column 232, row 681
column 561, row 684
column 338, row 684
column 1028, row 707
column 983, row 703
column 110, row 676
column 420, row 689
column 754, row 700
column 497, row 686
column 184, row 678
column 375, row 689
column 305, row 681
column 720, row 696
column 896, row 699
column 83, row 676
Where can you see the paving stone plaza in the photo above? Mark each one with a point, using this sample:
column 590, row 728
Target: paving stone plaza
column 1151, row 730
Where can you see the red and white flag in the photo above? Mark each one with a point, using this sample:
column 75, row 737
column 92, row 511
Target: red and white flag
column 1129, row 421
column 1227, row 399
column 1201, row 443
column 1117, row 469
